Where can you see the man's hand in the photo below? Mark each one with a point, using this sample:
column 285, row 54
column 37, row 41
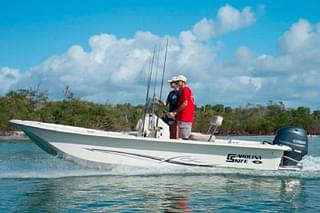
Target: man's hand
column 171, row 114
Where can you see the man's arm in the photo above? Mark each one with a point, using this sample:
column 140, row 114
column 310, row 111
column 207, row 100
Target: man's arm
column 180, row 108
column 156, row 98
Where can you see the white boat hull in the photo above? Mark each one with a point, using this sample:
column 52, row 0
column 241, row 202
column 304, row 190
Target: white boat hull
column 112, row 148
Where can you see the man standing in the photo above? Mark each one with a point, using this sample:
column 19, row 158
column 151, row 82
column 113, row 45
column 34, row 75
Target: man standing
column 172, row 102
column 185, row 112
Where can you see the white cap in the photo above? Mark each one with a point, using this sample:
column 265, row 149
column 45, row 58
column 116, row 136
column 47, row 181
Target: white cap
column 173, row 79
column 181, row 78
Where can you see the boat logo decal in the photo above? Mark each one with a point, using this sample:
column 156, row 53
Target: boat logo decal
column 257, row 161
column 244, row 158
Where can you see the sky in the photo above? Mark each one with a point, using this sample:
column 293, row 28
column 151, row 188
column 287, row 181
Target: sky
column 232, row 52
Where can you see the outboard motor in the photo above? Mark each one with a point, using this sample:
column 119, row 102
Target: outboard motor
column 297, row 139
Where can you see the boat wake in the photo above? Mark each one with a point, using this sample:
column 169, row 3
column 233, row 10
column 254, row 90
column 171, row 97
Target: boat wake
column 52, row 167
column 311, row 163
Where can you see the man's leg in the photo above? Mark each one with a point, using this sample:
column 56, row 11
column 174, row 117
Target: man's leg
column 174, row 133
column 185, row 130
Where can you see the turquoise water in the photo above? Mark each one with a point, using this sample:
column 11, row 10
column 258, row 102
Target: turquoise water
column 33, row 181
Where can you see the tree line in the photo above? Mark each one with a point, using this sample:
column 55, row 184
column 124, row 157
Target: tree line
column 30, row 104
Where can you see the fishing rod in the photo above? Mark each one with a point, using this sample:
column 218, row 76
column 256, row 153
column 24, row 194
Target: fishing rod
column 148, row 88
column 155, row 79
column 161, row 88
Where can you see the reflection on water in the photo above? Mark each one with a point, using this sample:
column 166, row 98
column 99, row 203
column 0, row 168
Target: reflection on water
column 177, row 201
column 170, row 193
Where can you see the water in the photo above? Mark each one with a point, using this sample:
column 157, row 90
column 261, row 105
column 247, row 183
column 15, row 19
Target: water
column 33, row 181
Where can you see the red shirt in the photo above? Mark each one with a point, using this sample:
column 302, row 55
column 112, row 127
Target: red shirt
column 186, row 115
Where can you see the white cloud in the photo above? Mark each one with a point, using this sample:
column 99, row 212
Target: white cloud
column 8, row 77
column 301, row 42
column 227, row 19
column 204, row 29
column 116, row 69
column 298, row 37
column 292, row 76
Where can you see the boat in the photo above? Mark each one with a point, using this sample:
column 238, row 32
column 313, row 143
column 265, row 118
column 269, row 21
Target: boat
column 150, row 147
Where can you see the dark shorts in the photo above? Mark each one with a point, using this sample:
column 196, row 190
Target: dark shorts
column 168, row 120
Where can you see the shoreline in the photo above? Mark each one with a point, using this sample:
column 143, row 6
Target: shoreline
column 5, row 138
column 14, row 135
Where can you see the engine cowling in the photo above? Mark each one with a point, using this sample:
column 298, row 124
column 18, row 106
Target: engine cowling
column 297, row 139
